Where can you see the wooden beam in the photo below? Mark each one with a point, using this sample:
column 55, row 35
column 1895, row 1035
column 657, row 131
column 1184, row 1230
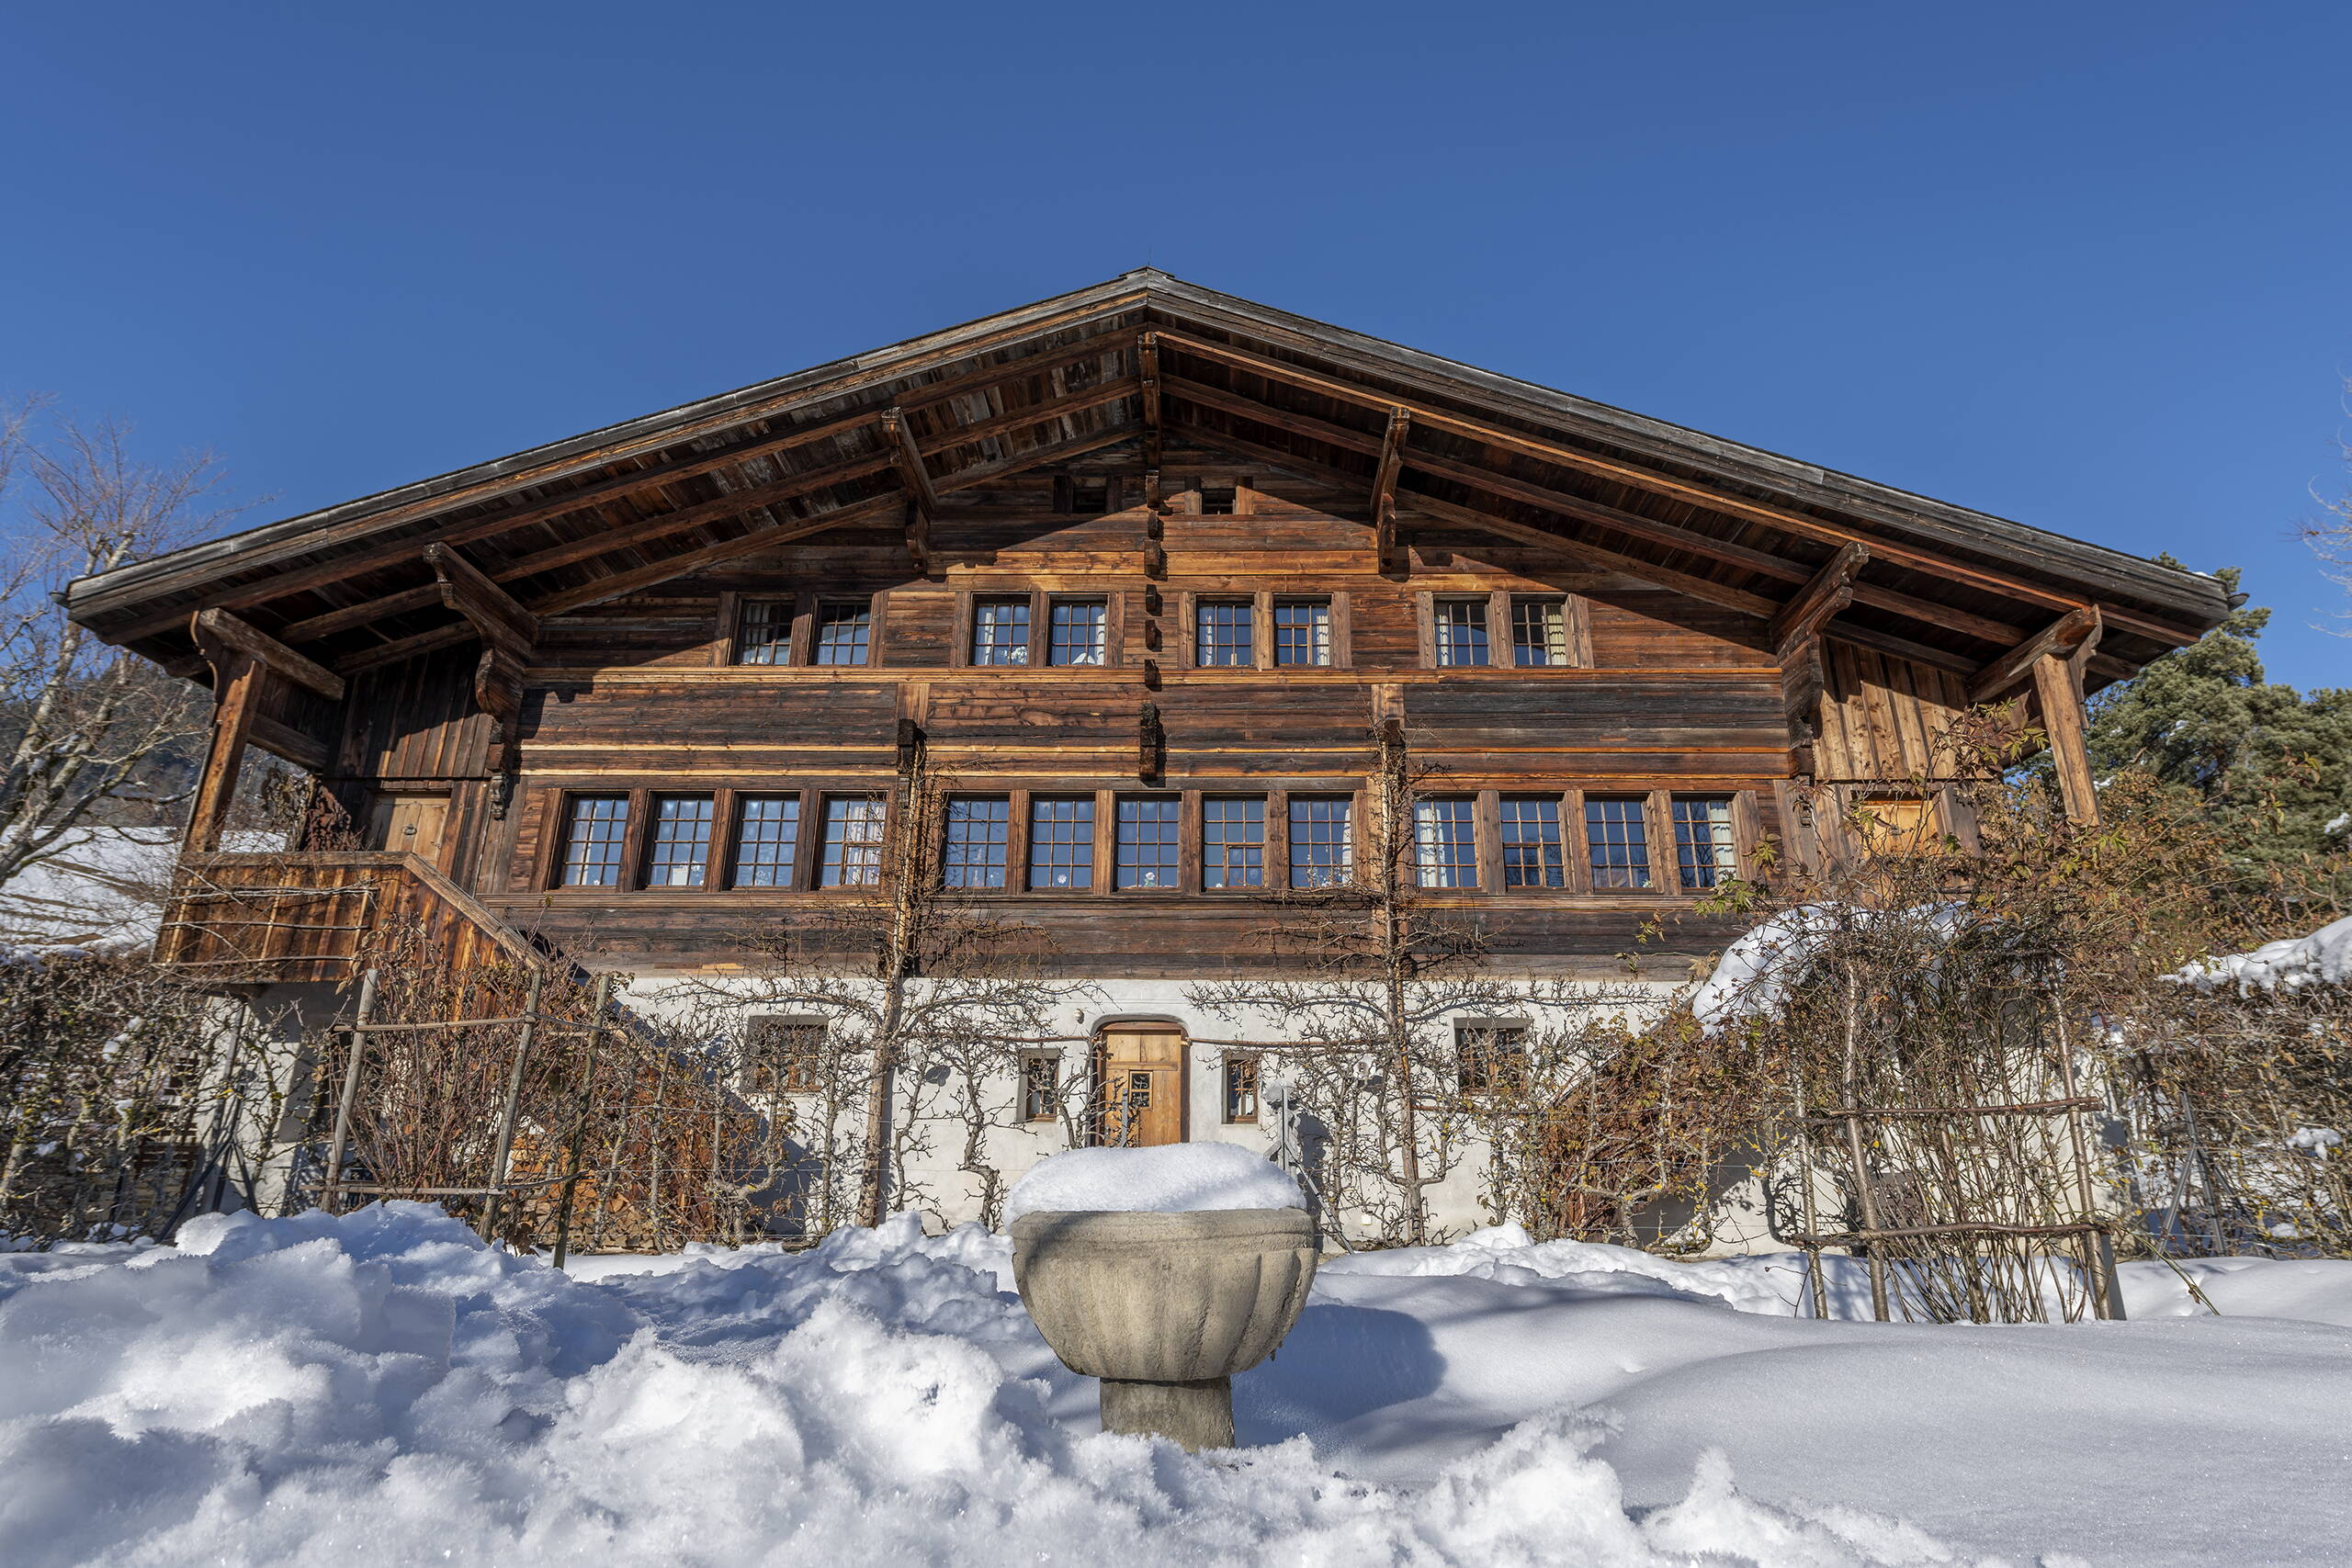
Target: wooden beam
column 1901, row 647
column 1627, row 473
column 1831, row 591
column 237, row 676
column 494, row 611
column 1392, row 562
column 2061, row 636
column 922, row 501
column 221, row 627
column 1147, row 364
column 2061, row 693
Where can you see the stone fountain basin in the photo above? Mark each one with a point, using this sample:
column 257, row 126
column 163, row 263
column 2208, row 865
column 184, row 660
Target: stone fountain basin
column 1164, row 1298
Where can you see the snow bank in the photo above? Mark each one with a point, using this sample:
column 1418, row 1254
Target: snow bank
column 1758, row 971
column 382, row 1388
column 2323, row 958
column 1175, row 1178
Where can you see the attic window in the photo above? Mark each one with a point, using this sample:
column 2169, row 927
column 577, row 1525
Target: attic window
column 1218, row 500
column 1086, row 497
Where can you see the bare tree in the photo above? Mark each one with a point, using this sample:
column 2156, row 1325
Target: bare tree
column 2331, row 538
column 83, row 723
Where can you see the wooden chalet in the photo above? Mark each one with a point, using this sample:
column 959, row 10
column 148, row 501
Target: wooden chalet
column 1142, row 567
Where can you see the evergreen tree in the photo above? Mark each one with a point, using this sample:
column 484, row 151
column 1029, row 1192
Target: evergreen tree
column 2205, row 718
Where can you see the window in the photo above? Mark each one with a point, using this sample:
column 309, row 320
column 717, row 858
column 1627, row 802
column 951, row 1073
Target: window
column 1302, row 631
column 1075, row 631
column 1461, row 631
column 1242, row 1089
column 763, row 632
column 1233, row 842
column 842, row 635
column 1539, row 632
column 767, row 836
column 1705, row 854
column 1531, row 835
column 1620, row 842
column 681, row 851
column 1061, row 843
column 1445, row 843
column 783, row 1055
column 1148, row 833
column 973, row 855
column 1219, row 500
column 1090, row 498
column 853, row 855
column 1322, row 849
column 1221, row 633
column 1895, row 825
column 1001, row 631
column 1489, row 1057
column 593, row 841
column 1041, row 1076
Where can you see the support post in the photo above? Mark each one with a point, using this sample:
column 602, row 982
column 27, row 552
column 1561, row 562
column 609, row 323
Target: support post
column 2055, row 681
column 513, row 1100
column 580, row 1121
column 333, row 1192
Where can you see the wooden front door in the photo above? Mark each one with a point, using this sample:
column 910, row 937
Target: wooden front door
column 411, row 823
column 1139, row 1086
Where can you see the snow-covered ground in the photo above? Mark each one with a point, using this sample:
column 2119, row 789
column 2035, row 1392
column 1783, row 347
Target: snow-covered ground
column 381, row 1389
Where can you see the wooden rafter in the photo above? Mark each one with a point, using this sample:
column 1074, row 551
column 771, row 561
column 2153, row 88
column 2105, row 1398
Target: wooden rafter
column 1831, row 591
column 222, row 629
column 1384, row 492
column 495, row 614
column 922, row 501
column 2013, row 669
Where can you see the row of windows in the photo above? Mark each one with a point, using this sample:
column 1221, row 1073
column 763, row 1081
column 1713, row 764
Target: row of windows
column 1145, row 843
column 1005, row 630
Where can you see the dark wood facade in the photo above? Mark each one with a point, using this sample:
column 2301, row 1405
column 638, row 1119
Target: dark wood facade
column 1718, row 624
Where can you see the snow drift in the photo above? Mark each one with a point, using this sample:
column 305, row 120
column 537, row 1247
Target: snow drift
column 1175, row 1178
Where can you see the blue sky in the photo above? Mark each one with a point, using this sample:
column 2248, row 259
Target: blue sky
column 2084, row 266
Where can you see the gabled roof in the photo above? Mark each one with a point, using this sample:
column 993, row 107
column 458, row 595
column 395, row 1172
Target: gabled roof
column 861, row 439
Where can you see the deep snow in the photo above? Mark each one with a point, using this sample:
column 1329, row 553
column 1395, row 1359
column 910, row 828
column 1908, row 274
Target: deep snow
column 383, row 1389
column 1172, row 1178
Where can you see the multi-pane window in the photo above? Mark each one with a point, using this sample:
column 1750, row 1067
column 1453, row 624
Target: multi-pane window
column 1219, row 500
column 1074, row 631
column 784, row 1055
column 1461, row 626
column 1041, row 1074
column 1061, row 843
column 1322, row 848
column 1233, row 842
column 978, row 829
column 763, row 632
column 843, row 634
column 1240, row 1088
column 1221, row 633
column 852, row 842
column 1490, row 1056
column 1531, row 843
column 1147, row 833
column 1445, row 843
column 767, row 831
column 594, row 838
column 1001, row 631
column 1618, row 836
column 1302, row 631
column 1705, row 852
column 1539, row 632
column 680, row 854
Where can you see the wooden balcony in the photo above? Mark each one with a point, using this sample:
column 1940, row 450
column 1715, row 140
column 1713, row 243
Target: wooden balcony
column 247, row 920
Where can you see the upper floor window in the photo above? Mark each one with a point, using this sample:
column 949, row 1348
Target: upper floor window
column 1322, row 848
column 783, row 1055
column 763, row 632
column 1149, row 834
column 595, row 838
column 1302, row 631
column 1461, row 626
column 1001, row 631
column 1076, row 631
column 978, row 829
column 1061, row 843
column 1233, row 842
column 1445, row 843
column 767, row 836
column 1539, row 633
column 1531, row 843
column 680, row 854
column 852, row 842
column 1706, row 854
column 843, row 634
column 1222, row 633
column 1617, row 837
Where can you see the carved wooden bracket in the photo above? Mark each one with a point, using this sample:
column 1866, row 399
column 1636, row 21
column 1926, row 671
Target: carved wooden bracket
column 508, row 634
column 910, row 744
column 1392, row 562
column 1151, row 746
column 923, row 498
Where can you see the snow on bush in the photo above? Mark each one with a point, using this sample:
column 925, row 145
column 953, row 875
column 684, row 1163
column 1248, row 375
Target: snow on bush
column 1175, row 1178
column 383, row 1389
column 2323, row 958
column 1759, row 970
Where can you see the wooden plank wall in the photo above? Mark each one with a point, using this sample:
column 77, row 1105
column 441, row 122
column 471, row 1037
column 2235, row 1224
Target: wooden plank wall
column 1884, row 718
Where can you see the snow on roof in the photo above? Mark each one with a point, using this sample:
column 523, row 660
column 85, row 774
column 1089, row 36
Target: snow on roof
column 2323, row 958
